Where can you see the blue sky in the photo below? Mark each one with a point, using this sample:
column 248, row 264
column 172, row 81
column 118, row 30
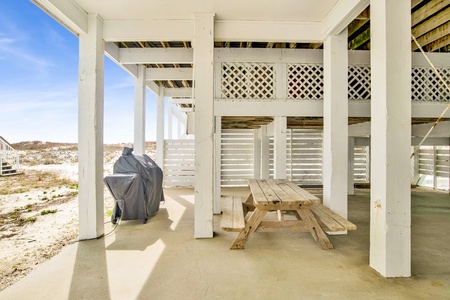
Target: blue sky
column 39, row 87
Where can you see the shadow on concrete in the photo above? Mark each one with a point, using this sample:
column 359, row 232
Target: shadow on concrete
column 90, row 273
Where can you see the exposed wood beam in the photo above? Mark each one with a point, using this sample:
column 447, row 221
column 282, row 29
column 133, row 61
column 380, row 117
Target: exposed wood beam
column 153, row 87
column 293, row 45
column 249, row 44
column 428, row 10
column 430, row 24
column 414, row 3
column 155, row 55
column 315, row 45
column 432, row 36
column 112, row 51
column 360, row 40
column 169, row 74
column 179, row 92
column 356, row 24
column 438, row 44
column 270, row 45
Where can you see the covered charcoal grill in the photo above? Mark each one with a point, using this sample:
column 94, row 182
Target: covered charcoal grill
column 136, row 185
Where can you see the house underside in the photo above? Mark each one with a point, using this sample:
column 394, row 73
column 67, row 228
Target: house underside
column 281, row 71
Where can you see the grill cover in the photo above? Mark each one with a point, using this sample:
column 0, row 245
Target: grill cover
column 136, row 185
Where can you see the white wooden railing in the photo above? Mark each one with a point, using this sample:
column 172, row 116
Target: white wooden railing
column 8, row 155
column 303, row 159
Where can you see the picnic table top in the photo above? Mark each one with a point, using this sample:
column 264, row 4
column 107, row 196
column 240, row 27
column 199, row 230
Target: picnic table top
column 280, row 194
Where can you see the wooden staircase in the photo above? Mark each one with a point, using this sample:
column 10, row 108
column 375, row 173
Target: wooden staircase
column 9, row 159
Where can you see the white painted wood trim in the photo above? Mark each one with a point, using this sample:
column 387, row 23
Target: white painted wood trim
column 204, row 124
column 67, row 13
column 90, row 131
column 253, row 31
column 144, row 30
column 139, row 111
column 169, row 74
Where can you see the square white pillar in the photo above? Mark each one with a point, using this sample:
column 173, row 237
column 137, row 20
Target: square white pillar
column 265, row 153
column 335, row 131
column 351, row 166
column 160, row 128
column 257, row 153
column 139, row 111
column 279, row 146
column 204, row 124
column 390, row 216
column 217, row 165
column 90, row 130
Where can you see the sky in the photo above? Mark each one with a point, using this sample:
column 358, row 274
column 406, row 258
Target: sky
column 39, row 82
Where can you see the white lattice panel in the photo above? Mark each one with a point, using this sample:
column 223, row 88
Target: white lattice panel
column 248, row 81
column 358, row 83
column 426, row 85
column 305, row 81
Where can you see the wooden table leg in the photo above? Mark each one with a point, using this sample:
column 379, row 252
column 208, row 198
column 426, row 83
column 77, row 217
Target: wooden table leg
column 314, row 228
column 250, row 227
column 248, row 205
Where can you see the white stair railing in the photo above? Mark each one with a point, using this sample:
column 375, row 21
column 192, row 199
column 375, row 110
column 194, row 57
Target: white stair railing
column 8, row 155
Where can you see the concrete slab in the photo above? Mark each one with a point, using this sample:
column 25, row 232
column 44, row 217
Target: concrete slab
column 161, row 260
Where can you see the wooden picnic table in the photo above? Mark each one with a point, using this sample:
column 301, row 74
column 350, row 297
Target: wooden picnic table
column 284, row 195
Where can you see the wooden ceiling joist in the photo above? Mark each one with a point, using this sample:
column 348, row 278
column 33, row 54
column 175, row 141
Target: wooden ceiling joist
column 432, row 36
column 431, row 23
column 428, row 10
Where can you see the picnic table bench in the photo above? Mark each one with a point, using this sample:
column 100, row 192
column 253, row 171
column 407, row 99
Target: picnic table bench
column 280, row 195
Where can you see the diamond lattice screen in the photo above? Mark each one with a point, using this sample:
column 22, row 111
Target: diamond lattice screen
column 358, row 83
column 248, row 81
column 305, row 81
column 426, row 85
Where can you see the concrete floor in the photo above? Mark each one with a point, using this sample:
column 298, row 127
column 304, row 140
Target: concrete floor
column 161, row 260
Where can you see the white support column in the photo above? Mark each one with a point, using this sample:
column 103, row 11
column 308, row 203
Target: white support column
column 90, row 130
column 257, row 153
column 279, row 163
column 160, row 128
column 204, row 124
column 435, row 181
column 390, row 216
column 217, row 164
column 335, row 131
column 139, row 111
column 351, row 166
column 265, row 153
column 415, row 166
column 170, row 119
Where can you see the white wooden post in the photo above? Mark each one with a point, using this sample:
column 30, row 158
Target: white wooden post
column 257, row 153
column 265, row 153
column 335, row 131
column 390, row 216
column 204, row 124
column 139, row 111
column 435, row 181
column 279, row 163
column 169, row 119
column 351, row 166
column 217, row 164
column 90, row 130
column 160, row 128
column 415, row 166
